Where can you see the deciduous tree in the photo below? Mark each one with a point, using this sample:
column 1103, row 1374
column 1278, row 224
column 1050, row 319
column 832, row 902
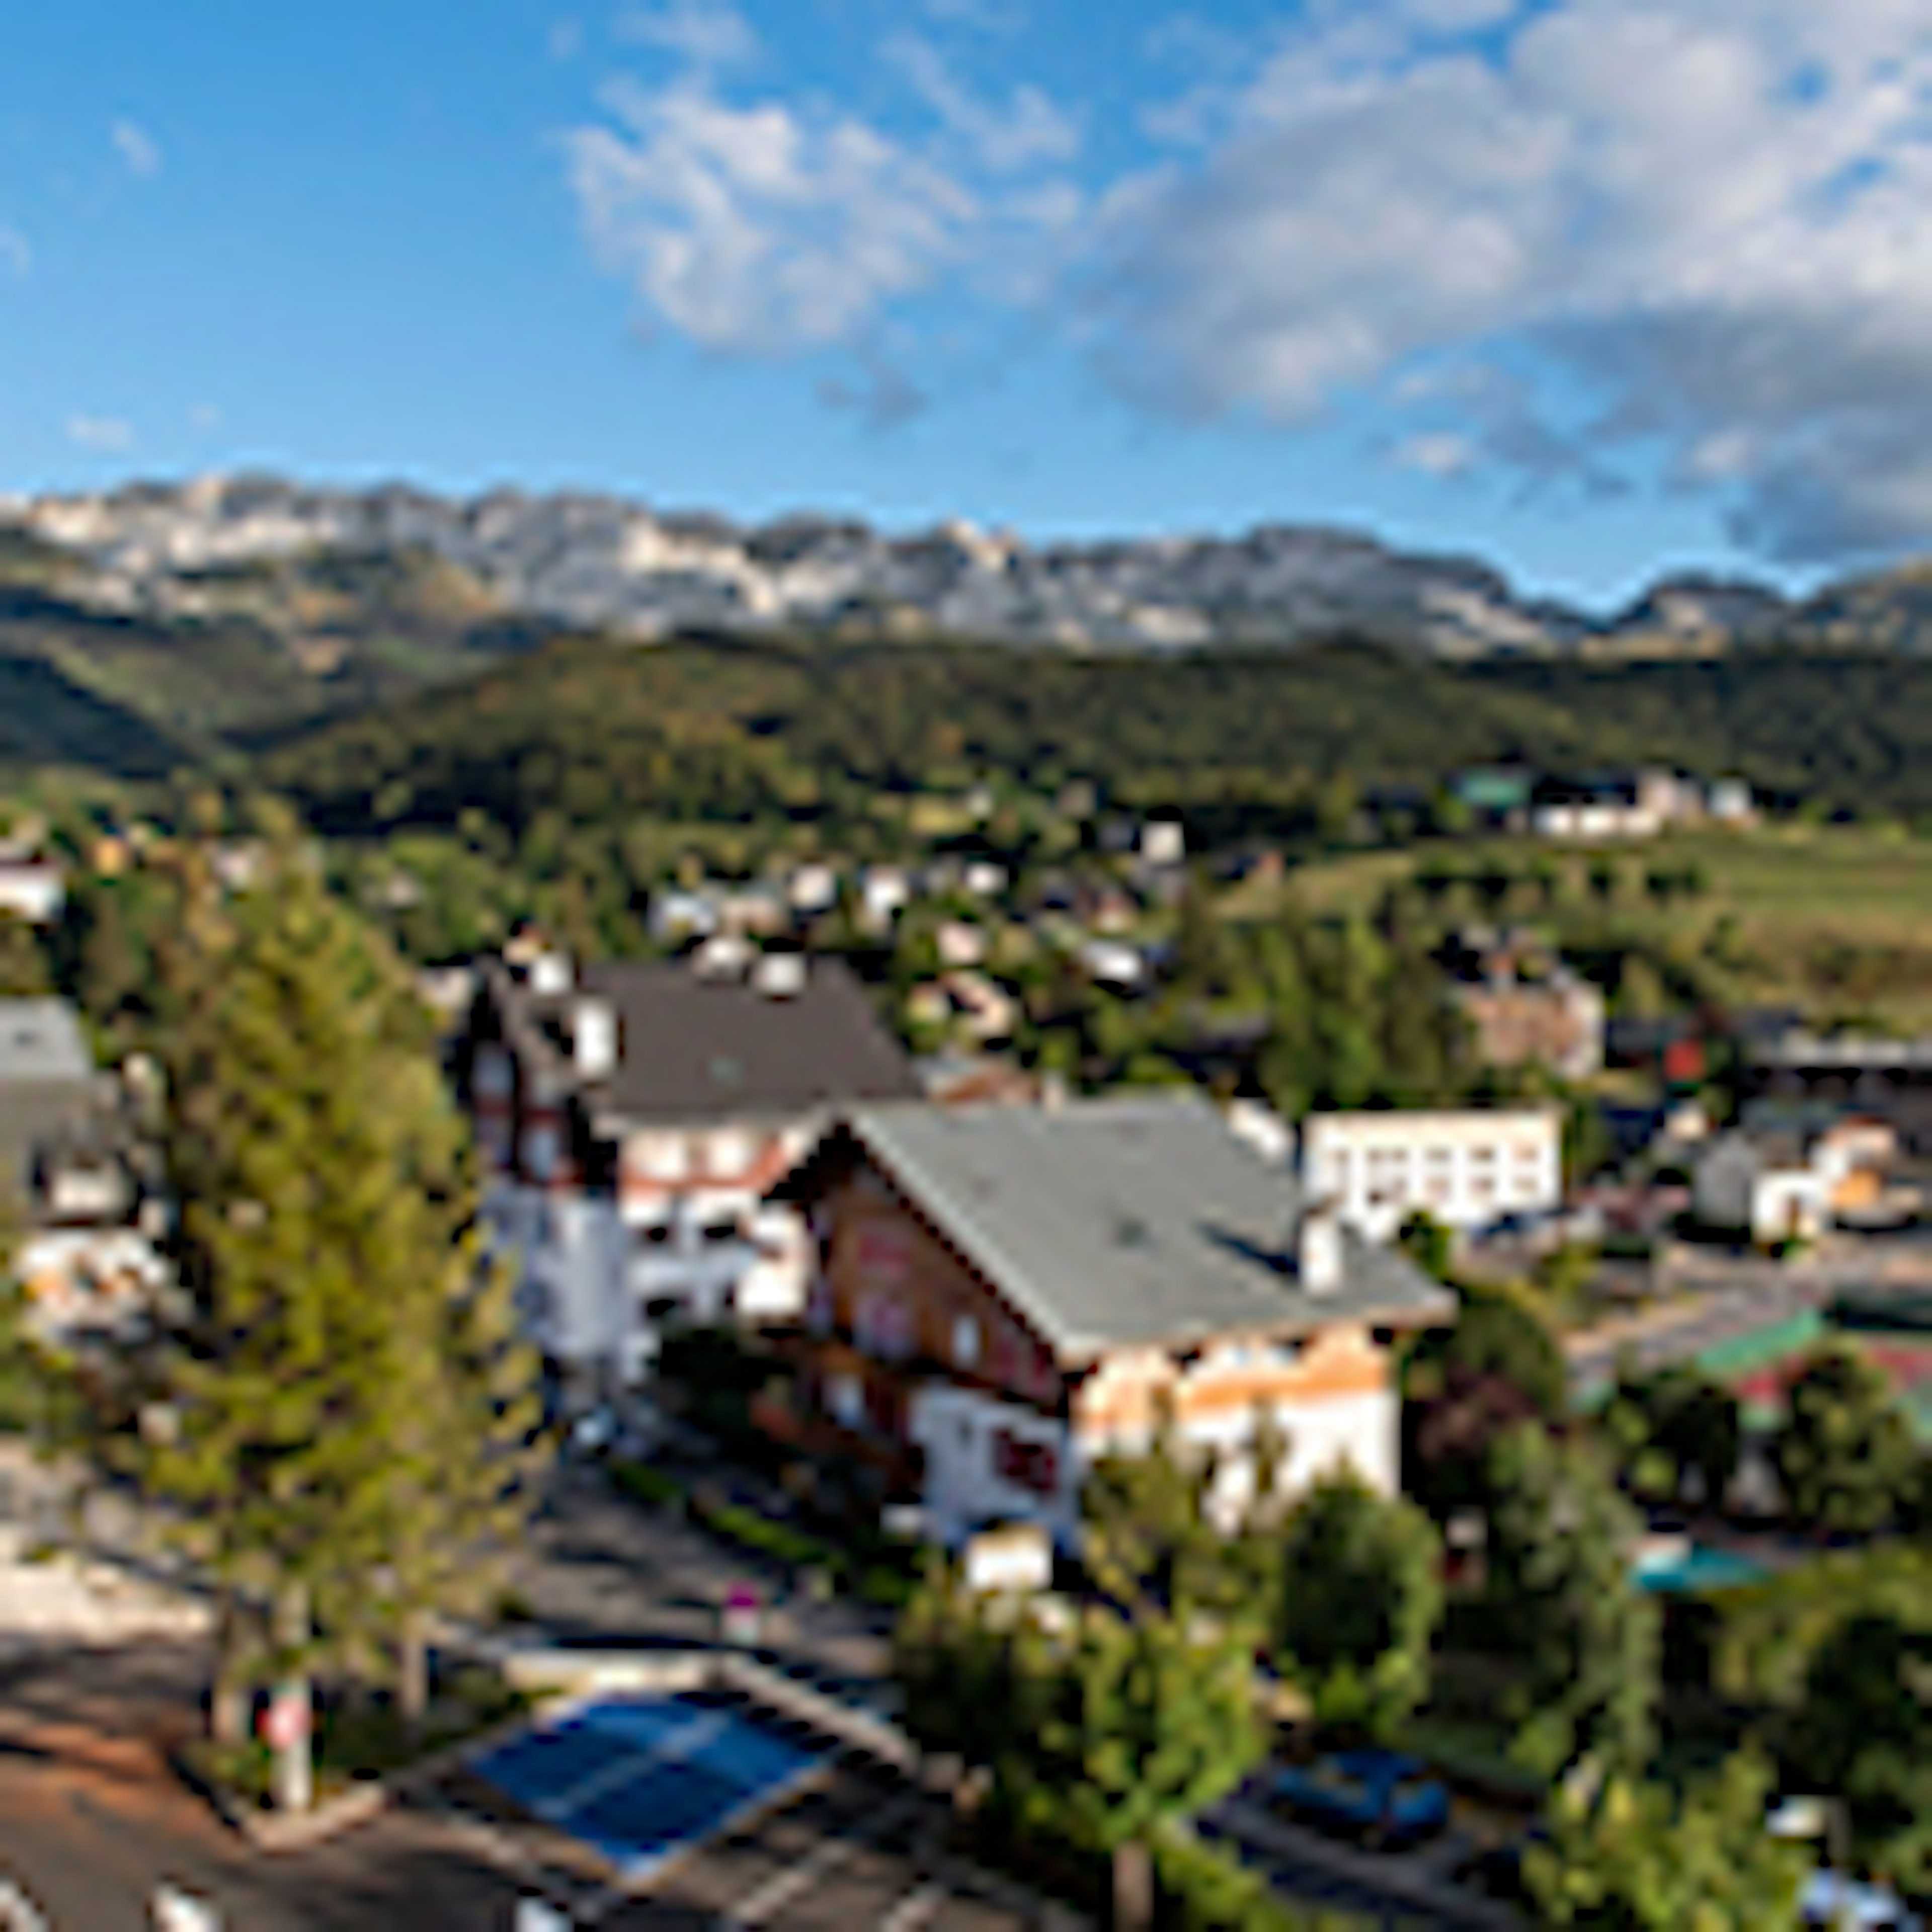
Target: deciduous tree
column 1633, row 1858
column 1359, row 1593
column 1583, row 1639
column 1844, row 1454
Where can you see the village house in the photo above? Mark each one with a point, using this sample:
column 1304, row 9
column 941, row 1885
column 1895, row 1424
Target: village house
column 71, row 1161
column 1526, row 1006
column 32, row 890
column 1003, row 1294
column 1770, row 1183
column 1468, row 1167
column 632, row 1117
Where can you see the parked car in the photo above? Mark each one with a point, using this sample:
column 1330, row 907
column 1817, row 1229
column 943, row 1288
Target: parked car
column 1380, row 1795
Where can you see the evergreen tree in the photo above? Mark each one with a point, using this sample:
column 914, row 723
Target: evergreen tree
column 325, row 1410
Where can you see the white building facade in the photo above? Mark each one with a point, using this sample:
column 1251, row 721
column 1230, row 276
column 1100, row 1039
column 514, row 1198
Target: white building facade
column 1466, row 1168
column 630, row 1125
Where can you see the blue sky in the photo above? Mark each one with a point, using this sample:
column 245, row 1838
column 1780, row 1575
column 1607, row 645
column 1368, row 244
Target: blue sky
column 1593, row 288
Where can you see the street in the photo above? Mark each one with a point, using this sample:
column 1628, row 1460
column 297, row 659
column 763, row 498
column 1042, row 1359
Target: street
column 602, row 1569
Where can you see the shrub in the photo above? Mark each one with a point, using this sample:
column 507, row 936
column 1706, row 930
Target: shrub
column 1205, row 1888
column 647, row 1485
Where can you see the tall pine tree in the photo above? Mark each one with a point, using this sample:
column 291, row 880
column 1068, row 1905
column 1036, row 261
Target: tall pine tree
column 342, row 1421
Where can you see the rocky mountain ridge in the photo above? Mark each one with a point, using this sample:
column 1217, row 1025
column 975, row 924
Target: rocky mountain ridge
column 209, row 548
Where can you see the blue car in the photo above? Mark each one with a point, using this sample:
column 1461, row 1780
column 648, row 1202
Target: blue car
column 1380, row 1795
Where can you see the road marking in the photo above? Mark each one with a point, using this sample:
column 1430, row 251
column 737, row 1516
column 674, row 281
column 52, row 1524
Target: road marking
column 915, row 1909
column 783, row 1887
column 677, row 1747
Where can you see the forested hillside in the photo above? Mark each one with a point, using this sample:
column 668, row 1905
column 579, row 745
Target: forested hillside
column 711, row 730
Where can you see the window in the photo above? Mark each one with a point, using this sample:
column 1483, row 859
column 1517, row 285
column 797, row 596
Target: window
column 494, row 1079
column 884, row 1327
column 965, row 1343
column 719, row 1234
column 1026, row 1465
column 729, row 1155
column 540, row 1149
column 657, row 1235
column 845, row 1399
column 659, row 1157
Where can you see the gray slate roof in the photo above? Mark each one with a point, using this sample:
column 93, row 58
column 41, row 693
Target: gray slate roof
column 692, row 1050
column 50, row 1094
column 1118, row 1222
column 41, row 1042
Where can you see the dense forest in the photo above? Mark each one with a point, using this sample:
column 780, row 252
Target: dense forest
column 719, row 730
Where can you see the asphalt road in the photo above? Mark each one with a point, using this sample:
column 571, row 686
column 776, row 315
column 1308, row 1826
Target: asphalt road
column 601, row 1569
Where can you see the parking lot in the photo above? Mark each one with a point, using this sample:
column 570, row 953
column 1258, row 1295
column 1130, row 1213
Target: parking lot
column 858, row 1851
column 93, row 1818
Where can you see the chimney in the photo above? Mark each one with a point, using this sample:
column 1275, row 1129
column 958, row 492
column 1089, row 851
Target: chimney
column 779, row 975
column 1318, row 1251
column 594, row 1039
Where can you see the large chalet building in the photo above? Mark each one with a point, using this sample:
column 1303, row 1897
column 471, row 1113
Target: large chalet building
column 1002, row 1294
column 632, row 1117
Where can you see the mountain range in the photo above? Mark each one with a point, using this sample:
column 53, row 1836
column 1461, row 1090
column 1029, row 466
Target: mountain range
column 205, row 612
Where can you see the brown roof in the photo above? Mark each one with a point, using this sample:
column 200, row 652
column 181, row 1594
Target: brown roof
column 691, row 1049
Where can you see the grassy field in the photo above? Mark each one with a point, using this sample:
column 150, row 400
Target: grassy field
column 1836, row 919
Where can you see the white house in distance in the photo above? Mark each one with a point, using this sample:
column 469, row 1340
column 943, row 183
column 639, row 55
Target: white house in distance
column 1005, row 1293
column 1466, row 1167
column 1779, row 1186
column 632, row 1117
column 34, row 890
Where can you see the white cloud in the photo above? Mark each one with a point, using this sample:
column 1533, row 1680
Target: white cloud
column 1438, row 453
column 17, row 253
column 761, row 228
column 704, row 34
column 1028, row 130
column 1689, row 239
column 1712, row 220
column 105, row 435
column 777, row 226
column 140, row 153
